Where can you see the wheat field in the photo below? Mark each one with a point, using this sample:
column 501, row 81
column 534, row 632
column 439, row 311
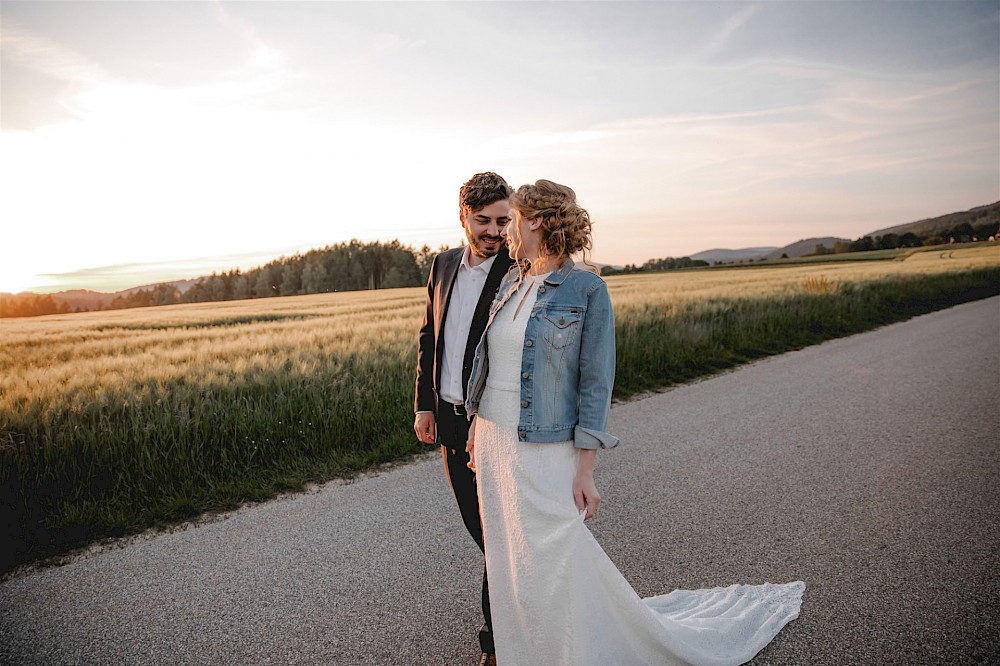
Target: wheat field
column 114, row 421
column 673, row 288
column 72, row 359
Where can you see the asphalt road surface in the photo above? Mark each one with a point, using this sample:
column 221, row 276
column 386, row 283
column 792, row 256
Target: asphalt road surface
column 867, row 467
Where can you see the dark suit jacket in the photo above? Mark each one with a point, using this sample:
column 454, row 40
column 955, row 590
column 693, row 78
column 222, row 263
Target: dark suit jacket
column 431, row 346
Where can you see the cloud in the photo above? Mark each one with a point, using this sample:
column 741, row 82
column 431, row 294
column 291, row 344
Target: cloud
column 46, row 81
column 40, row 78
column 386, row 44
column 652, row 123
column 46, row 56
column 722, row 37
column 261, row 54
column 533, row 141
column 113, row 277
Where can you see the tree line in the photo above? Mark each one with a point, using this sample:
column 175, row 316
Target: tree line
column 354, row 266
column 350, row 266
column 960, row 233
column 655, row 266
column 30, row 305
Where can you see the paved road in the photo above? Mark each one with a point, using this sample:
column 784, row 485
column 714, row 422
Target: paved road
column 867, row 467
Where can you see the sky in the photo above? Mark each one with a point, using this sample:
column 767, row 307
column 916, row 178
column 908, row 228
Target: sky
column 151, row 141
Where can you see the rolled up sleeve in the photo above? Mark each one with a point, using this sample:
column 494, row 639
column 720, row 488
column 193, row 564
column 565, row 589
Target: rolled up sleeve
column 597, row 372
column 585, row 438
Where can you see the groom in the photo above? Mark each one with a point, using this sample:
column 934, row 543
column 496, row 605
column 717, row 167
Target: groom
column 460, row 288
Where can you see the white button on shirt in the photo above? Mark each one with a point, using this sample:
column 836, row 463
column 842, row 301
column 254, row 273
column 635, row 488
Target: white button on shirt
column 465, row 295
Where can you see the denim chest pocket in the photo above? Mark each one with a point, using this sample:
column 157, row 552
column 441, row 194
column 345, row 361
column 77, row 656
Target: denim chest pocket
column 561, row 327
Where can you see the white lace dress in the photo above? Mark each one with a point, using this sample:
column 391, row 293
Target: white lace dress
column 555, row 596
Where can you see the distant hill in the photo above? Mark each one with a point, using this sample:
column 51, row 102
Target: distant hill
column 805, row 246
column 732, row 256
column 796, row 249
column 85, row 299
column 181, row 286
column 977, row 216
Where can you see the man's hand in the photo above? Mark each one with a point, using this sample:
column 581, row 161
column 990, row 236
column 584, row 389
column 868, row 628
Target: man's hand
column 426, row 427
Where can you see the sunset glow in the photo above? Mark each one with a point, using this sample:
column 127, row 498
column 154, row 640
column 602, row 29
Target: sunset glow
column 154, row 141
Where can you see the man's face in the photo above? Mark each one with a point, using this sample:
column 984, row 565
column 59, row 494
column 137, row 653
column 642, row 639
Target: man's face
column 485, row 228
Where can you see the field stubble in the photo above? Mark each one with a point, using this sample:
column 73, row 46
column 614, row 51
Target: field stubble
column 111, row 422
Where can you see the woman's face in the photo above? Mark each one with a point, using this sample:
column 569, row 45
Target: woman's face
column 522, row 240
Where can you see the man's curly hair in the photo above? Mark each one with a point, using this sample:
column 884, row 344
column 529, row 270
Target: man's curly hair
column 481, row 190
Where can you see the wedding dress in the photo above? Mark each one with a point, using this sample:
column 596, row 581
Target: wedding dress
column 556, row 597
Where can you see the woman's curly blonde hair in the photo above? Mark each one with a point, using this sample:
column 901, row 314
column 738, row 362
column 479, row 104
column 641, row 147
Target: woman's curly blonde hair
column 566, row 227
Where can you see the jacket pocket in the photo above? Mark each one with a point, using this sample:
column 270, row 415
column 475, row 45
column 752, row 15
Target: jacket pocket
column 561, row 327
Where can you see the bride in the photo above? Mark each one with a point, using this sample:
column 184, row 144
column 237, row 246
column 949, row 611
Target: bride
column 539, row 396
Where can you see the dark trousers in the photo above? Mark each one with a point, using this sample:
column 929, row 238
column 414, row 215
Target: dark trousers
column 453, row 431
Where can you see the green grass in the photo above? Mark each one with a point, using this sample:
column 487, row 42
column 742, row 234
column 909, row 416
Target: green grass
column 172, row 450
column 165, row 414
column 702, row 337
column 869, row 255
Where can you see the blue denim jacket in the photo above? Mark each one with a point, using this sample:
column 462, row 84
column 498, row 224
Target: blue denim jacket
column 567, row 362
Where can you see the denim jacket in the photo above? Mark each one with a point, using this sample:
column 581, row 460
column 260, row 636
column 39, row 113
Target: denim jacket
column 567, row 362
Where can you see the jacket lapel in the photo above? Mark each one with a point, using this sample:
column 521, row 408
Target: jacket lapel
column 446, row 281
column 497, row 271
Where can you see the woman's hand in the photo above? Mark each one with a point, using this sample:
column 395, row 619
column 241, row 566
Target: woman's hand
column 585, row 493
column 470, row 445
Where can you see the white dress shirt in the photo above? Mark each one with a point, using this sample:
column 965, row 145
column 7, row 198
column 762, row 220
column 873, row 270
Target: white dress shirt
column 465, row 295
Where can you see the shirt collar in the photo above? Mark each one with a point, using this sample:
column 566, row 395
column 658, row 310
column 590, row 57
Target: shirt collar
column 483, row 267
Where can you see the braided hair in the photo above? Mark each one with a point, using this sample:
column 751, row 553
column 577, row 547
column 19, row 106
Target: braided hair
column 566, row 227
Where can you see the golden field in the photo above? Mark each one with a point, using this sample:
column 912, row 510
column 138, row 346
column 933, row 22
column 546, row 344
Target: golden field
column 69, row 358
column 114, row 421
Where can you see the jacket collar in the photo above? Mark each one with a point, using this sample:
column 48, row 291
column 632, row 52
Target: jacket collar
column 557, row 276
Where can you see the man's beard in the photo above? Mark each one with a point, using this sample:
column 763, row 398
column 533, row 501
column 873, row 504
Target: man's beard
column 480, row 249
